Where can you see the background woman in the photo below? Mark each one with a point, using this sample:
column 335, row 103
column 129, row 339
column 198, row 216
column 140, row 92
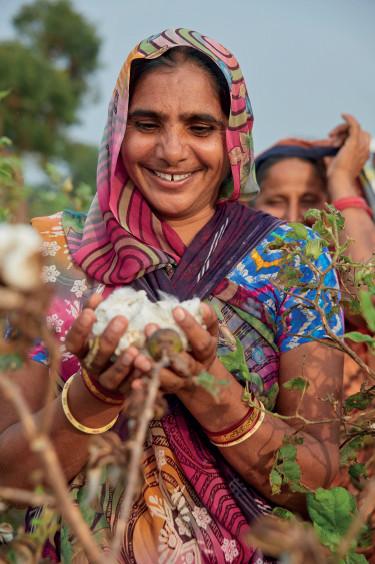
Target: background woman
column 175, row 157
column 296, row 175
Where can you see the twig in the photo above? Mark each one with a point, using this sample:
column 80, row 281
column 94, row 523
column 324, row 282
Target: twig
column 25, row 497
column 133, row 471
column 42, row 446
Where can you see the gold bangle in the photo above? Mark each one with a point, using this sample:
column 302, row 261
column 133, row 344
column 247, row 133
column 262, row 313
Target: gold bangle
column 249, row 433
column 243, row 428
column 94, row 390
column 73, row 421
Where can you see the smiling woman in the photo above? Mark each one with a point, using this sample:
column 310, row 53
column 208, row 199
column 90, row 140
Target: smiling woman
column 175, row 158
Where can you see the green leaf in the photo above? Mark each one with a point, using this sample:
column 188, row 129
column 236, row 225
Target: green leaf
column 357, row 470
column 331, row 512
column 286, row 468
column 313, row 248
column 208, row 382
column 254, row 378
column 268, row 398
column 276, row 481
column 360, row 400
column 299, row 384
column 367, row 309
column 353, row 558
column 235, row 362
column 358, row 337
column 299, row 230
column 349, row 452
column 4, row 94
column 283, row 513
column 9, row 362
column 312, row 214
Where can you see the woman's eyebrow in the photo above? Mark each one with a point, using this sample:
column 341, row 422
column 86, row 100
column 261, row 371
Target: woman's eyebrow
column 188, row 117
column 207, row 118
column 146, row 113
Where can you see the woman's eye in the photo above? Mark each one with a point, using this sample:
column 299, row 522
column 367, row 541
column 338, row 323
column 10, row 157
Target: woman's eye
column 201, row 130
column 146, row 125
column 274, row 202
column 310, row 200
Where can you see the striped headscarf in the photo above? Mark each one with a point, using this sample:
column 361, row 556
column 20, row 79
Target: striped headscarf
column 122, row 239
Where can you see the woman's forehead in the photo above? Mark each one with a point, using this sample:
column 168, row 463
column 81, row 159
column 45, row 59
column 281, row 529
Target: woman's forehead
column 185, row 88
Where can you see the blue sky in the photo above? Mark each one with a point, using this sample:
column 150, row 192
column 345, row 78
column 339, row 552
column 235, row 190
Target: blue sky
column 305, row 61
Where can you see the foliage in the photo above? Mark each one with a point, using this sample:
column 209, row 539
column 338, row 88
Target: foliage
column 18, row 202
column 45, row 76
column 286, row 470
column 47, row 71
column 332, row 510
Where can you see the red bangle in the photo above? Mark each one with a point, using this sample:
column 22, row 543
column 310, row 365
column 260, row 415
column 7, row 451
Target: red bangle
column 352, row 202
column 99, row 392
column 232, row 427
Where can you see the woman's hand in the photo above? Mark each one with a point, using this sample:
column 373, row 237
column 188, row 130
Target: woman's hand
column 202, row 355
column 344, row 168
column 114, row 376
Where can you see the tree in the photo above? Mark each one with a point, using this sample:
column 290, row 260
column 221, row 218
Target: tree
column 47, row 72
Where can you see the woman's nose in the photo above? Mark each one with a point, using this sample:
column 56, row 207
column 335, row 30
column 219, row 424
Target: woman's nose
column 171, row 147
column 294, row 212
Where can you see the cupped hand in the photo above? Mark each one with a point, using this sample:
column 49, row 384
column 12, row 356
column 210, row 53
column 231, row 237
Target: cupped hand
column 184, row 366
column 114, row 376
column 354, row 151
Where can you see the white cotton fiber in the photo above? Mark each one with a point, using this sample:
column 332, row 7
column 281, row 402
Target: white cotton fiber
column 139, row 311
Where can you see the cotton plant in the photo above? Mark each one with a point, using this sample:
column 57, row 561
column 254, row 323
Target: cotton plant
column 20, row 257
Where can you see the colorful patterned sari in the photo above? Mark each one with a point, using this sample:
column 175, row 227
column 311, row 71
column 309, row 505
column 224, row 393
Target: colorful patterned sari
column 193, row 507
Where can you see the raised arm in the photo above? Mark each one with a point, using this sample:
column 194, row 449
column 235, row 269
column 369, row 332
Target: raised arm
column 342, row 173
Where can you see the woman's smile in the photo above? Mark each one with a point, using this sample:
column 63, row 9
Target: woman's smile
column 171, row 179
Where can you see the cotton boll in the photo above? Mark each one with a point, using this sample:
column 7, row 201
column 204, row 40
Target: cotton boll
column 20, row 257
column 140, row 311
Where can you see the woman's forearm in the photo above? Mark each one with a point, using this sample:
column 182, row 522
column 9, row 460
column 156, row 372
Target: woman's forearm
column 358, row 227
column 18, row 462
column 253, row 458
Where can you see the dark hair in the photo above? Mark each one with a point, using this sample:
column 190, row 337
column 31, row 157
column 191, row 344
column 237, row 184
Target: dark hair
column 172, row 58
column 263, row 168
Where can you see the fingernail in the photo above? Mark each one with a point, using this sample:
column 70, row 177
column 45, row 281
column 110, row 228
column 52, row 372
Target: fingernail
column 146, row 364
column 179, row 314
column 118, row 324
column 126, row 359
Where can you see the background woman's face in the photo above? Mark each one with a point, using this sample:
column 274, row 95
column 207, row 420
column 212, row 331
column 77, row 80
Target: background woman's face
column 174, row 146
column 290, row 188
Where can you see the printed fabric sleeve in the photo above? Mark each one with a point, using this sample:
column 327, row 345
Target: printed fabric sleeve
column 290, row 316
column 299, row 320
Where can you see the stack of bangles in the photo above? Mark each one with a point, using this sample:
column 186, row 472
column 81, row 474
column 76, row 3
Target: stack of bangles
column 241, row 431
column 113, row 398
column 352, row 202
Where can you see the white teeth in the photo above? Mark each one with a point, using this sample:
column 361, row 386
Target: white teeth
column 177, row 177
column 172, row 177
column 168, row 177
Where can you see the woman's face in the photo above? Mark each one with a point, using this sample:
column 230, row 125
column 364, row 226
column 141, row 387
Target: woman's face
column 290, row 188
column 174, row 146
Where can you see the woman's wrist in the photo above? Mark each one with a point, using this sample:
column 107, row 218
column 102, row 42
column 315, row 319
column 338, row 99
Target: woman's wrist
column 341, row 185
column 352, row 202
column 215, row 411
column 87, row 409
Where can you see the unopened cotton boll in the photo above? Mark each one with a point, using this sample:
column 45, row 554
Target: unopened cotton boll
column 20, row 257
column 139, row 311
